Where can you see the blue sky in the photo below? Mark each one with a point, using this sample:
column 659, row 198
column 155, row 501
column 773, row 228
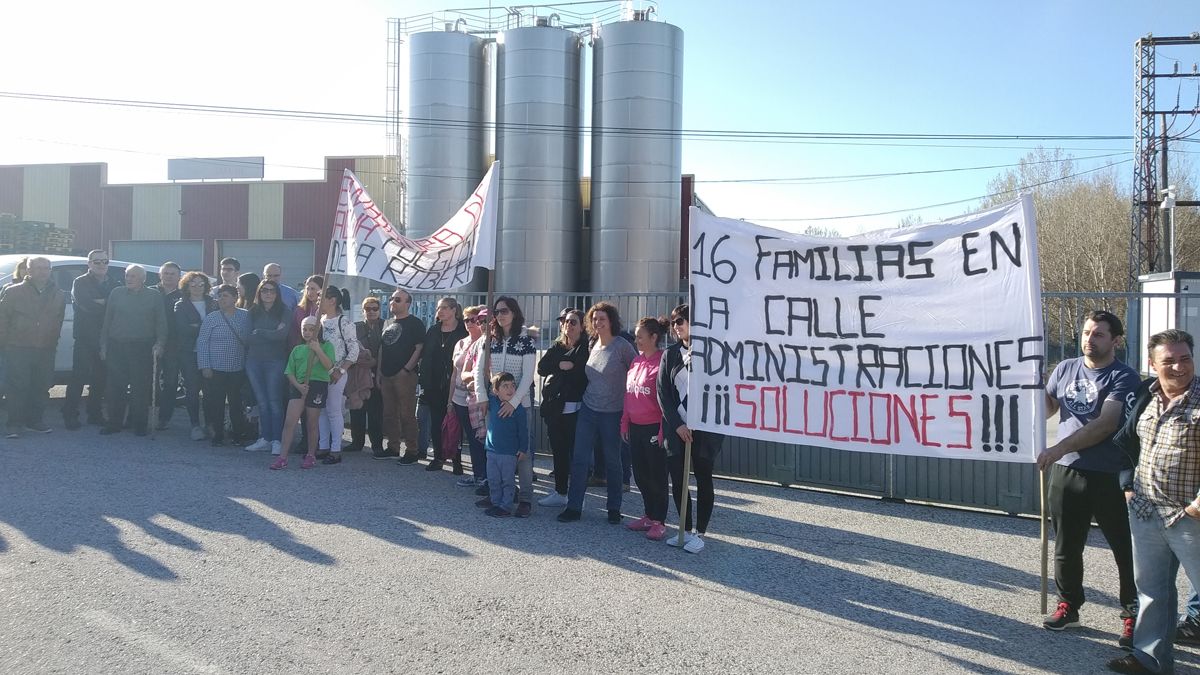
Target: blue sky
column 1055, row 68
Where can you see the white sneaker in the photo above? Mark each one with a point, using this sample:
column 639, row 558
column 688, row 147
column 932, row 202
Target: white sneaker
column 259, row 445
column 553, row 499
column 276, row 447
column 673, row 539
column 694, row 545
column 197, row 433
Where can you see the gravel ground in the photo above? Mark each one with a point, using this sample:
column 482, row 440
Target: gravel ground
column 125, row 554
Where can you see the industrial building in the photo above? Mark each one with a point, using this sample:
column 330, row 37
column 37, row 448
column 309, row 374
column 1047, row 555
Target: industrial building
column 474, row 90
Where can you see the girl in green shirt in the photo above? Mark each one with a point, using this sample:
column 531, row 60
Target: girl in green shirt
column 308, row 372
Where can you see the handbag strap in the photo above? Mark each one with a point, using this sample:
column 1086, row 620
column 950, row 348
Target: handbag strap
column 232, row 330
column 342, row 333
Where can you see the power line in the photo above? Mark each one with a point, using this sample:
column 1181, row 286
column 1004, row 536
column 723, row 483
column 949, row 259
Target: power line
column 435, row 123
column 934, row 206
column 799, row 180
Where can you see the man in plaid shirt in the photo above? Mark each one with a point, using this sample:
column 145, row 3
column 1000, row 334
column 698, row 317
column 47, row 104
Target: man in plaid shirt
column 1162, row 439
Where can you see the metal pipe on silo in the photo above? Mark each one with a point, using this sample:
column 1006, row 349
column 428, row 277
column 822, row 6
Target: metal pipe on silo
column 446, row 145
column 537, row 144
column 637, row 154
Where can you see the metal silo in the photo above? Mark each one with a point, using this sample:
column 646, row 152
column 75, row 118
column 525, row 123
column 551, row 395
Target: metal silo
column 537, row 144
column 637, row 116
column 445, row 129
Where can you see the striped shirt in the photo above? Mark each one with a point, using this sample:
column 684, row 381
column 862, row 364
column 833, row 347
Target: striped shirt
column 1167, row 477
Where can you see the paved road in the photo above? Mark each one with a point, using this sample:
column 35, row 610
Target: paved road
column 120, row 554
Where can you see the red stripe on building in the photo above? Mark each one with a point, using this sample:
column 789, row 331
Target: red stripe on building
column 308, row 209
column 12, row 189
column 212, row 212
column 84, row 214
column 117, row 219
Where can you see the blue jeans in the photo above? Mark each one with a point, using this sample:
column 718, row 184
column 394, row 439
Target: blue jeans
column 266, row 379
column 502, row 483
column 592, row 428
column 1158, row 552
column 478, row 453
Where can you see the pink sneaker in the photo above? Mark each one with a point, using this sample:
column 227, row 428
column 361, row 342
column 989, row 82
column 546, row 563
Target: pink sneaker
column 280, row 463
column 640, row 525
column 656, row 531
column 309, row 462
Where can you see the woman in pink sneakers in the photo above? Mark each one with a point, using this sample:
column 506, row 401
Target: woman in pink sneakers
column 641, row 427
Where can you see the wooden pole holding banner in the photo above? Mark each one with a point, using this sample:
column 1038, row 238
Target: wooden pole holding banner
column 487, row 345
column 687, row 490
column 1045, row 539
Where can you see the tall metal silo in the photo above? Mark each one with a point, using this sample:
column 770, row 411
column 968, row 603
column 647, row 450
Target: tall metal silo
column 637, row 153
column 537, row 144
column 446, row 126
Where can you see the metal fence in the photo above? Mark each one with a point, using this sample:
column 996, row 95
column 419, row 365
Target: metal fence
column 1011, row 488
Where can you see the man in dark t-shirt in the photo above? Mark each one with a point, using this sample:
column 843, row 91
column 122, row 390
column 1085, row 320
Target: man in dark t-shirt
column 1090, row 395
column 399, row 354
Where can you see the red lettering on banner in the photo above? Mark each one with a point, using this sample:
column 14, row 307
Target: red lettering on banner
column 829, row 398
column 869, row 417
column 762, row 400
column 925, row 417
column 966, row 420
column 786, row 429
column 737, row 395
column 854, row 435
column 887, row 420
column 910, row 413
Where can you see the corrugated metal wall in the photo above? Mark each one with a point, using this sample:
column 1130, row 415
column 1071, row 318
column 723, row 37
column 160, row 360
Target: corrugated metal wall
column 45, row 194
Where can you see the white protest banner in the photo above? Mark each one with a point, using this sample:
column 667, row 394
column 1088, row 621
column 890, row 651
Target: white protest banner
column 364, row 244
column 924, row 341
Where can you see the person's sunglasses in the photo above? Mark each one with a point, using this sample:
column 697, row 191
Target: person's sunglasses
column 98, row 262
column 503, row 310
column 571, row 322
column 679, row 321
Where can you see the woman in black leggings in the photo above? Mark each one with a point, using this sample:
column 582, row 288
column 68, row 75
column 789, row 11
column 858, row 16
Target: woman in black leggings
column 672, row 398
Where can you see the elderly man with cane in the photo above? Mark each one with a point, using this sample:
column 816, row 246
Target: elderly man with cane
column 134, row 334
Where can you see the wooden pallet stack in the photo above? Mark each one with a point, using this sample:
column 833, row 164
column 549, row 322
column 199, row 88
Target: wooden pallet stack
column 29, row 236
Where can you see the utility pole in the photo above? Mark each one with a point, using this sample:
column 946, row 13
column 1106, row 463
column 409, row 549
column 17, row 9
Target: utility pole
column 1151, row 232
column 1168, row 227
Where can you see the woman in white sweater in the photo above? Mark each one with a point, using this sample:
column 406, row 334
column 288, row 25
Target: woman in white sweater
column 509, row 349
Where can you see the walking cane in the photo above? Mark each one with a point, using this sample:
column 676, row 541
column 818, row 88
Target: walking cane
column 687, row 490
column 152, row 422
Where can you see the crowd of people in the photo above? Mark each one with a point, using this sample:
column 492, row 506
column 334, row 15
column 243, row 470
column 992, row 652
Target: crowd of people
column 614, row 401
column 1127, row 452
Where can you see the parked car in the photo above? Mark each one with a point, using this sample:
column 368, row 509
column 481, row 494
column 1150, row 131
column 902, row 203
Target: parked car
column 64, row 270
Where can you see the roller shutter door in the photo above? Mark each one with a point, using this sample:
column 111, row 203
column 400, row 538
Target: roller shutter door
column 189, row 253
column 294, row 255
